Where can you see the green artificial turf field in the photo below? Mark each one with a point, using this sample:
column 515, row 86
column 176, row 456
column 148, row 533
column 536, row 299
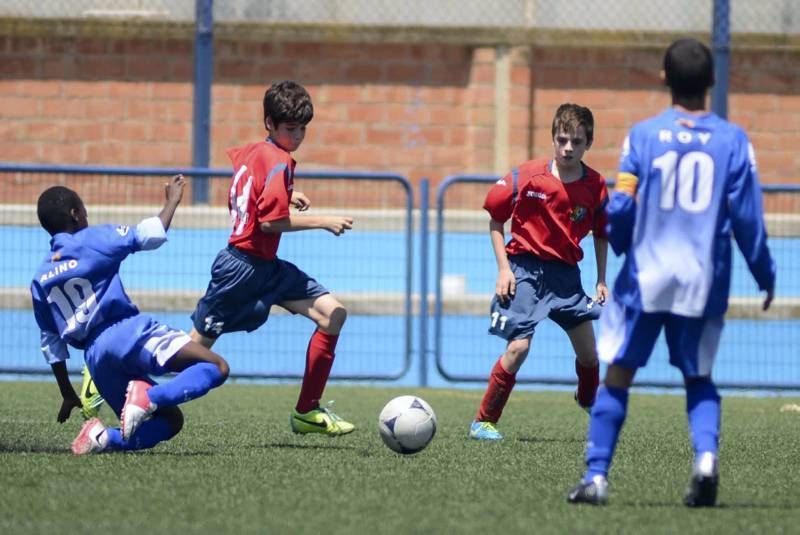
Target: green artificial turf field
column 237, row 468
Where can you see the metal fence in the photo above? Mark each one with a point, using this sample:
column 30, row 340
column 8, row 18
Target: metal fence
column 369, row 270
column 758, row 350
column 766, row 16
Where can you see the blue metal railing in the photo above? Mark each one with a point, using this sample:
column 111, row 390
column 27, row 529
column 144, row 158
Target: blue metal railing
column 407, row 239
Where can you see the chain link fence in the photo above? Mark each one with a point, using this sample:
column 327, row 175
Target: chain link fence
column 778, row 17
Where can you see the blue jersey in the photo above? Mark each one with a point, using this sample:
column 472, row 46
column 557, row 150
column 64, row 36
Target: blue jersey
column 697, row 186
column 77, row 291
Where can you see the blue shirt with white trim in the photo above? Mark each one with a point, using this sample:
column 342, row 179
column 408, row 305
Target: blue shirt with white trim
column 697, row 186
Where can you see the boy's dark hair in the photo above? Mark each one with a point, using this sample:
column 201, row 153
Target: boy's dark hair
column 54, row 208
column 569, row 117
column 287, row 102
column 688, row 68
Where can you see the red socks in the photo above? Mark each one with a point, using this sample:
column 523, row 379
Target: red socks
column 319, row 360
column 494, row 400
column 588, row 379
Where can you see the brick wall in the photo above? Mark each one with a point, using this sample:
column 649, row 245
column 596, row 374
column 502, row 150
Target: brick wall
column 419, row 110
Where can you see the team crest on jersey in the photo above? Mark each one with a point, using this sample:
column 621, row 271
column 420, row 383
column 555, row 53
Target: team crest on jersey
column 122, row 230
column 577, row 213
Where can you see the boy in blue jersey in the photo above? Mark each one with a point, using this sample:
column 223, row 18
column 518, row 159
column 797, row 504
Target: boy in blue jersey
column 687, row 182
column 78, row 300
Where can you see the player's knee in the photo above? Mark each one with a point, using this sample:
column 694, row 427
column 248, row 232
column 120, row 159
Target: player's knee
column 517, row 350
column 334, row 321
column 224, row 369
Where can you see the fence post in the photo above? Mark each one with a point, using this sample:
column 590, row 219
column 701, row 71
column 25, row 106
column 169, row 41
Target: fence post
column 423, row 282
column 203, row 75
column 721, row 49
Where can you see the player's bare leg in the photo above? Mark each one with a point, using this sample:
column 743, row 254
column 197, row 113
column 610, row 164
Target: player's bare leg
column 329, row 315
column 515, row 355
column 587, row 367
column 200, row 339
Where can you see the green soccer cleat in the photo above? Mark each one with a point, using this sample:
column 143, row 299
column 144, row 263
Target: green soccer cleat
column 319, row 420
column 91, row 400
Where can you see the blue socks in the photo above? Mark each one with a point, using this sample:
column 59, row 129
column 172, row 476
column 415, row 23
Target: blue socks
column 703, row 410
column 191, row 383
column 148, row 435
column 611, row 407
column 608, row 415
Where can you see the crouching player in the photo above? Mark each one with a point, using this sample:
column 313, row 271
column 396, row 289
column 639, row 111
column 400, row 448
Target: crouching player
column 78, row 300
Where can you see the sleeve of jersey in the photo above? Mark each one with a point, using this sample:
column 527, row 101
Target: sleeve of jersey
column 499, row 201
column 747, row 217
column 621, row 207
column 53, row 347
column 621, row 213
column 114, row 242
column 273, row 203
column 150, row 234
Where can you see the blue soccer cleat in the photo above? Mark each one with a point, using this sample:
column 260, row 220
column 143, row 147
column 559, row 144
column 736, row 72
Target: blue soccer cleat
column 484, row 431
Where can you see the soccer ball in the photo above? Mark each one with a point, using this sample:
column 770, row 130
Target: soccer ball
column 407, row 424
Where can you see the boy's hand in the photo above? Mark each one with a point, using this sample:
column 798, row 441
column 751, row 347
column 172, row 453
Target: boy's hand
column 506, row 285
column 602, row 293
column 174, row 189
column 337, row 225
column 300, row 201
column 67, row 404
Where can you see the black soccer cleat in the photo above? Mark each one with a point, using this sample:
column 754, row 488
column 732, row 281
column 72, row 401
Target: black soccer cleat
column 594, row 492
column 702, row 491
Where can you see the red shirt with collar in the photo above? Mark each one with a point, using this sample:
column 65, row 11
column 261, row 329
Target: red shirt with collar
column 261, row 188
column 549, row 218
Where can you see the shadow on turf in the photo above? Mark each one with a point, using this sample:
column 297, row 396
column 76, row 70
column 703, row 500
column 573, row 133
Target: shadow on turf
column 574, row 440
column 287, row 445
column 8, row 448
column 719, row 506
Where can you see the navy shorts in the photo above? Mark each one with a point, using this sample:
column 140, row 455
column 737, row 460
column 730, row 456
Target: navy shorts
column 545, row 289
column 244, row 287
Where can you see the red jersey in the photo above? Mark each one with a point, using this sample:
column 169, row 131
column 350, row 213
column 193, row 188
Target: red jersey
column 548, row 217
column 260, row 191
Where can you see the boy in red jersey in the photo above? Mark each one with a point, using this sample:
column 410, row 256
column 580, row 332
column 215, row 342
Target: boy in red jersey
column 247, row 277
column 552, row 205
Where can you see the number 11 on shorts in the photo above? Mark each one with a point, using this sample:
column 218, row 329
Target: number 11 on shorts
column 496, row 317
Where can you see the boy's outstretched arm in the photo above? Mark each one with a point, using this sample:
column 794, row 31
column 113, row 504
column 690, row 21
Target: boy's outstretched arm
column 151, row 233
column 173, row 191
column 334, row 224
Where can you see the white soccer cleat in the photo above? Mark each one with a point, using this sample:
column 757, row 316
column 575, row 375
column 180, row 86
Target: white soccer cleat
column 137, row 409
column 91, row 439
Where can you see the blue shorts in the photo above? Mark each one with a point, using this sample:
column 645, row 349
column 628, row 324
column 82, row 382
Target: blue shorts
column 627, row 336
column 133, row 348
column 244, row 287
column 544, row 289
